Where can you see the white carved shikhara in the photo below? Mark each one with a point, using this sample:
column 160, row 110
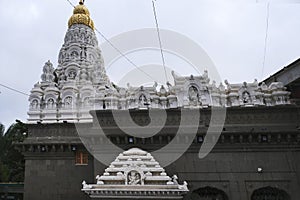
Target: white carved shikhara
column 133, row 174
column 80, row 84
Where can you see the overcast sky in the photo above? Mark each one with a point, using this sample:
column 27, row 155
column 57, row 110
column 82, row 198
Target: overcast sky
column 232, row 34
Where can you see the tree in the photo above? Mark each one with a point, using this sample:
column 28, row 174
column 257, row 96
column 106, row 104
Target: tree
column 3, row 145
column 2, row 129
column 11, row 160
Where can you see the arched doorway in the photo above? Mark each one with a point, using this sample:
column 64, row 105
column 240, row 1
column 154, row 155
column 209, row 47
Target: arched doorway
column 269, row 193
column 209, row 193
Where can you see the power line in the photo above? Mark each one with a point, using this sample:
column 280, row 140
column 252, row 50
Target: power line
column 122, row 54
column 15, row 90
column 71, row 3
column 159, row 39
column 266, row 39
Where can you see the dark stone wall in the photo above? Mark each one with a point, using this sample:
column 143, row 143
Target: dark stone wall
column 236, row 173
column 252, row 138
column 55, row 176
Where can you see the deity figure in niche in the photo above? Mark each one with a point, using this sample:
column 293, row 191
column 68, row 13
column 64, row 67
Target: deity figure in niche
column 68, row 102
column 162, row 91
column 134, row 178
column 86, row 101
column 142, row 100
column 50, row 104
column 72, row 74
column 193, row 94
column 34, row 104
column 246, row 97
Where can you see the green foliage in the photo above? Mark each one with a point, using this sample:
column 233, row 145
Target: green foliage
column 4, row 173
column 11, row 160
column 2, row 129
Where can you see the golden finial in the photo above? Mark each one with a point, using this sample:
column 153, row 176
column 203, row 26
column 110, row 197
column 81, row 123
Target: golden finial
column 81, row 15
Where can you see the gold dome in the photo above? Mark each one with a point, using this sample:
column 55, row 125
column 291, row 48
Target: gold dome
column 81, row 15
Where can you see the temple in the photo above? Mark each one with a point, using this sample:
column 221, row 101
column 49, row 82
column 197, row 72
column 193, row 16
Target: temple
column 256, row 156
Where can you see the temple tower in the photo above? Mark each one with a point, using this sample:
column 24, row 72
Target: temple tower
column 65, row 93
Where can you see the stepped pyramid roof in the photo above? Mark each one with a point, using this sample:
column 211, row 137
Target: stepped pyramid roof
column 135, row 174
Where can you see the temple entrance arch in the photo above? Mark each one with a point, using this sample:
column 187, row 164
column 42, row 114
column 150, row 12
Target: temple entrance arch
column 269, row 193
column 209, row 193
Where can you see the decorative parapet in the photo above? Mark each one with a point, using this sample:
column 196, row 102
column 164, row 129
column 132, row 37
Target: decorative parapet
column 191, row 92
column 135, row 174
